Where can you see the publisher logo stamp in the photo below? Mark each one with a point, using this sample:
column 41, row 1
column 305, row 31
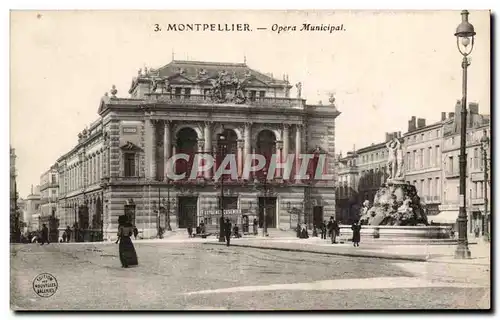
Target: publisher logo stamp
column 45, row 285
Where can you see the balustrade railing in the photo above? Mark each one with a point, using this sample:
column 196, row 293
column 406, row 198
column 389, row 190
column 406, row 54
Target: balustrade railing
column 173, row 98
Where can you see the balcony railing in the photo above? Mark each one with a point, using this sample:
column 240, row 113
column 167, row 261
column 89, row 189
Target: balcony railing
column 168, row 98
column 477, row 201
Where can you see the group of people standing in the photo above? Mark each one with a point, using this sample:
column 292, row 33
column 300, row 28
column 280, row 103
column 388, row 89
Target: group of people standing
column 332, row 229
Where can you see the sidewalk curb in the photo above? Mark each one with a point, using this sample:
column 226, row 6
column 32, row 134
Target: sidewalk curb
column 346, row 254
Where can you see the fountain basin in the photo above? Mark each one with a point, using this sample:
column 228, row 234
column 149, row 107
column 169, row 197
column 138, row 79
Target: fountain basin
column 395, row 232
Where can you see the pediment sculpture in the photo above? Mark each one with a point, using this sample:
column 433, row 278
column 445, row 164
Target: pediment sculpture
column 227, row 89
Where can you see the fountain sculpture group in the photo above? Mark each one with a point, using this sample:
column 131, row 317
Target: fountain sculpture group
column 396, row 203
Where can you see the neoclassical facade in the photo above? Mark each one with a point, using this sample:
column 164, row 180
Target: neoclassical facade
column 119, row 165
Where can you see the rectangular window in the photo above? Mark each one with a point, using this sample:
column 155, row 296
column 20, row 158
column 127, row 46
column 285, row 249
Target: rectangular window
column 421, row 158
column 53, row 178
column 476, row 158
column 424, row 187
column 253, row 95
column 450, row 164
column 431, row 189
column 437, row 156
column 262, row 94
column 408, row 165
column 206, row 94
column 415, row 159
column 187, row 93
column 129, row 164
column 178, row 92
column 437, row 188
column 430, row 158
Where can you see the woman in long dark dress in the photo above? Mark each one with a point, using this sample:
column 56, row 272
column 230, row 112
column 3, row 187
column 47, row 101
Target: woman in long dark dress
column 128, row 257
column 356, row 233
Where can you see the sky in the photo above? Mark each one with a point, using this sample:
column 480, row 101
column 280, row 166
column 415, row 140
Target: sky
column 383, row 68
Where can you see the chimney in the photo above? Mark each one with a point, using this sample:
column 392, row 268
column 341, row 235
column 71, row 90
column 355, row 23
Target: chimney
column 412, row 124
column 458, row 108
column 420, row 123
column 443, row 116
column 473, row 108
column 451, row 115
column 387, row 136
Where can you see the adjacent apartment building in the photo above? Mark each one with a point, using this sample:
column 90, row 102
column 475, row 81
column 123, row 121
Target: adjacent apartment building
column 478, row 126
column 431, row 165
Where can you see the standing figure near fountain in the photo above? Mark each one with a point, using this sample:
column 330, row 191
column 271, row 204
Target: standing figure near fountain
column 391, row 159
column 395, row 160
column 399, row 160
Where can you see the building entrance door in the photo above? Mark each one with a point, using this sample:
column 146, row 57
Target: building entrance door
column 186, row 211
column 270, row 212
column 317, row 215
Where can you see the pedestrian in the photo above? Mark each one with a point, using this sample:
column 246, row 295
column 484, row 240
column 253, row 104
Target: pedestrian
column 136, row 232
column 304, row 234
column 298, row 230
column 68, row 233
column 45, row 235
column 334, row 230
column 64, row 236
column 329, row 227
column 236, row 231
column 190, row 231
column 356, row 233
column 227, row 230
column 255, row 227
column 315, row 232
column 323, row 230
column 128, row 256
column 476, row 231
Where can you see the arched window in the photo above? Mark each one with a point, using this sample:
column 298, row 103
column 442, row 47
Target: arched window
column 228, row 146
column 266, row 146
column 187, row 143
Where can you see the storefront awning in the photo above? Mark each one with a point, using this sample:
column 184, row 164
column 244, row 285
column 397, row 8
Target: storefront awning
column 447, row 217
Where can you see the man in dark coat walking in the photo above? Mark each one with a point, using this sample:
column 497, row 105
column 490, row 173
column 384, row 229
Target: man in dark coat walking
column 356, row 233
column 227, row 231
column 68, row 233
column 323, row 230
column 45, row 234
column 334, row 230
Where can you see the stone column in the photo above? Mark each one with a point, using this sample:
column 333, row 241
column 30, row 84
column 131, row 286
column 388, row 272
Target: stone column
column 298, row 146
column 208, row 144
column 167, row 147
column 201, row 148
column 247, row 143
column 279, row 158
column 252, row 174
column 286, row 141
column 153, row 167
column 240, row 160
column 174, row 152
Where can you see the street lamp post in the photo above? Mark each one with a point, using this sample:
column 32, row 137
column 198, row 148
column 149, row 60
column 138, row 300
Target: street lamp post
column 264, row 229
column 222, row 147
column 485, row 141
column 169, row 228
column 465, row 43
column 158, row 227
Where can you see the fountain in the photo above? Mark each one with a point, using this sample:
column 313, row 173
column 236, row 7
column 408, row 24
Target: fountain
column 397, row 210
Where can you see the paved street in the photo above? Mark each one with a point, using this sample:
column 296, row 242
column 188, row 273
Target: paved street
column 196, row 275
